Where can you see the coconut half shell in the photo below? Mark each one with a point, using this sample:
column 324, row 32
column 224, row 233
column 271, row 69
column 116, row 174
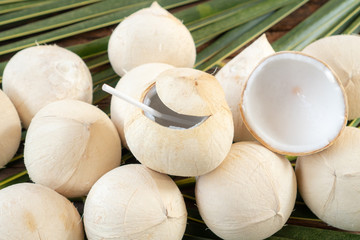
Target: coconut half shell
column 341, row 53
column 285, row 104
column 189, row 151
column 233, row 76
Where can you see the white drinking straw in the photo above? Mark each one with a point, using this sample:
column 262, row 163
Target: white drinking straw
column 144, row 107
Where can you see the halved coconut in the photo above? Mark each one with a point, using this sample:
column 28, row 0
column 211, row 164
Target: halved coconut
column 294, row 104
column 10, row 129
column 250, row 195
column 328, row 181
column 341, row 53
column 194, row 147
column 150, row 35
column 233, row 76
column 134, row 202
column 133, row 84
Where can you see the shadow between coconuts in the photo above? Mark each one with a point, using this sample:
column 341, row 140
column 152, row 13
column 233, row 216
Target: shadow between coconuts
column 285, row 152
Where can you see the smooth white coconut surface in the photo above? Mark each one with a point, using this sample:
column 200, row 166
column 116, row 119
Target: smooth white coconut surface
column 32, row 211
column 10, row 129
column 294, row 104
column 150, row 35
column 134, row 202
column 69, row 146
column 249, row 196
column 328, row 181
column 39, row 75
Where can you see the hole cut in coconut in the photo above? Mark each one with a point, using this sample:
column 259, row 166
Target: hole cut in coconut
column 176, row 120
column 294, row 104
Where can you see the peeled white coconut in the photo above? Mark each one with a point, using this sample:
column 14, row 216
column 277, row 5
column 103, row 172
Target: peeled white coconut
column 294, row 104
column 341, row 53
column 42, row 74
column 233, row 76
column 328, row 181
column 69, row 146
column 191, row 148
column 134, row 202
column 249, row 196
column 150, row 35
column 133, row 84
column 32, row 211
column 10, row 130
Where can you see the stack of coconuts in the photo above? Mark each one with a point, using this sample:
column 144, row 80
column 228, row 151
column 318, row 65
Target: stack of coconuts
column 232, row 132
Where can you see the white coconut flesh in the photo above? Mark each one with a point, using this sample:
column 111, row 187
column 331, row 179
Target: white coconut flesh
column 294, row 104
column 180, row 121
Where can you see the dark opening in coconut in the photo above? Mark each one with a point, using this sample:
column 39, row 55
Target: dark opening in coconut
column 171, row 118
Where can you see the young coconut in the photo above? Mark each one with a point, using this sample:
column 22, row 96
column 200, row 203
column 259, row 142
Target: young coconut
column 192, row 148
column 328, row 181
column 285, row 104
column 134, row 202
column 39, row 75
column 33, row 211
column 150, row 35
column 133, row 84
column 249, row 196
column 10, row 130
column 341, row 53
column 233, row 76
column 69, row 145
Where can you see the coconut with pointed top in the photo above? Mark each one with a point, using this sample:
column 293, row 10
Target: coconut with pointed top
column 10, row 129
column 150, row 35
column 249, row 196
column 39, row 75
column 69, row 146
column 133, row 84
column 33, row 211
column 191, row 148
column 134, row 202
column 233, row 76
column 285, row 104
column 328, row 181
column 341, row 53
